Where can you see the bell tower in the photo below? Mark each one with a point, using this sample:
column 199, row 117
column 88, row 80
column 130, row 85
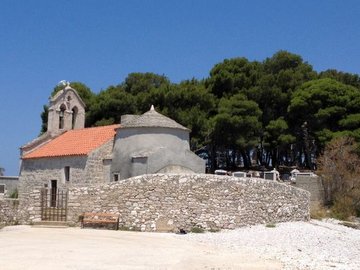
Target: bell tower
column 66, row 111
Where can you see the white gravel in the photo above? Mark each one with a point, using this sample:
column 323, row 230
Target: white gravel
column 298, row 245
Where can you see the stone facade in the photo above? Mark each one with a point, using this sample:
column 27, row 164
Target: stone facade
column 84, row 170
column 66, row 111
column 145, row 144
column 168, row 202
column 9, row 211
column 314, row 185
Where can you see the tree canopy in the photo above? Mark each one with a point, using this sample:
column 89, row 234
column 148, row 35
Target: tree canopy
column 270, row 113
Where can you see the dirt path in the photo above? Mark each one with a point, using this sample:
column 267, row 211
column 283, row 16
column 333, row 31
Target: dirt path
column 25, row 247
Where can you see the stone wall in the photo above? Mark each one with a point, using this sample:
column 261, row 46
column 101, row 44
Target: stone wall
column 84, row 170
column 171, row 202
column 314, row 185
column 9, row 211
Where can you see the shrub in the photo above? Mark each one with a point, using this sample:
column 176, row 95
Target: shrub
column 339, row 168
column 343, row 207
column 14, row 194
column 270, row 225
column 197, row 230
column 318, row 212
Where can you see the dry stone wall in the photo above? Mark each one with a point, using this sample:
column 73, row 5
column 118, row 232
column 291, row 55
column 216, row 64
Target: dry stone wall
column 9, row 211
column 166, row 202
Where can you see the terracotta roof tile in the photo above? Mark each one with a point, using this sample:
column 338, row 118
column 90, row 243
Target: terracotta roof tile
column 75, row 142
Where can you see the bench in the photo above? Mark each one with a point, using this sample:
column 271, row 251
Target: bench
column 100, row 219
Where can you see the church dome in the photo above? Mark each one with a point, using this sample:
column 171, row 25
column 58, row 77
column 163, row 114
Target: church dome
column 150, row 119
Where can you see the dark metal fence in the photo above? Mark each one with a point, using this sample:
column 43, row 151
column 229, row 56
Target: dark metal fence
column 54, row 204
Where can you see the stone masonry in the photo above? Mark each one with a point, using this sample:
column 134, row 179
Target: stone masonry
column 171, row 202
column 9, row 211
column 314, row 185
column 85, row 170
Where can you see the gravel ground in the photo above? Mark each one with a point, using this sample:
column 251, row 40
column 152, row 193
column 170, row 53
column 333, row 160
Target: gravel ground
column 292, row 245
column 298, row 245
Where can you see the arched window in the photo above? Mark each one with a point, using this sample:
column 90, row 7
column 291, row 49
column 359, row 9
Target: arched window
column 61, row 116
column 74, row 116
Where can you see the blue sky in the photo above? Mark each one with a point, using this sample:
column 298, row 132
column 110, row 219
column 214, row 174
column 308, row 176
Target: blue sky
column 99, row 42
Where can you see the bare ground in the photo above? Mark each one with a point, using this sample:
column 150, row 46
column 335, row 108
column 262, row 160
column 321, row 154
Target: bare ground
column 30, row 248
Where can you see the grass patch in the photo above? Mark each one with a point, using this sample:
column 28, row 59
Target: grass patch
column 343, row 208
column 197, row 230
column 14, row 194
column 318, row 212
column 270, row 225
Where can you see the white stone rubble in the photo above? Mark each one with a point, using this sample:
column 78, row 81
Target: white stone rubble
column 298, row 245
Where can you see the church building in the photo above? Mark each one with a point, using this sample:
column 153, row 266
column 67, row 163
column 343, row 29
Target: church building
column 70, row 154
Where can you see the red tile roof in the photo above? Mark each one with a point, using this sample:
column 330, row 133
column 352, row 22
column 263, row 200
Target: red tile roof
column 76, row 142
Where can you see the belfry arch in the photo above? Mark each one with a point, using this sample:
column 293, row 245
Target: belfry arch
column 62, row 110
column 66, row 111
column 74, row 116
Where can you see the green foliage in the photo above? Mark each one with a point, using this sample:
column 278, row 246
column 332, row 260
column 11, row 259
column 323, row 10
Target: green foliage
column 109, row 105
column 270, row 225
column 326, row 105
column 233, row 76
column 343, row 208
column 351, row 121
column 14, row 194
column 343, row 77
column 237, row 122
column 278, row 111
column 137, row 83
column 197, row 229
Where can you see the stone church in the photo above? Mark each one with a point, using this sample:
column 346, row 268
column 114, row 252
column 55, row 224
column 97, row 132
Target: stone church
column 69, row 154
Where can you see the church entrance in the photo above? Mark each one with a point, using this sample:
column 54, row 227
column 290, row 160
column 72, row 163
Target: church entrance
column 54, row 203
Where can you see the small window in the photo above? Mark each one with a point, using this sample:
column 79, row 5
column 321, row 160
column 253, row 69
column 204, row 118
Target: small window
column 116, row 177
column 67, row 173
column 2, row 189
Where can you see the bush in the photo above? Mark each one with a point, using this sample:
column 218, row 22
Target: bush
column 14, row 194
column 339, row 168
column 318, row 212
column 197, row 230
column 343, row 208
